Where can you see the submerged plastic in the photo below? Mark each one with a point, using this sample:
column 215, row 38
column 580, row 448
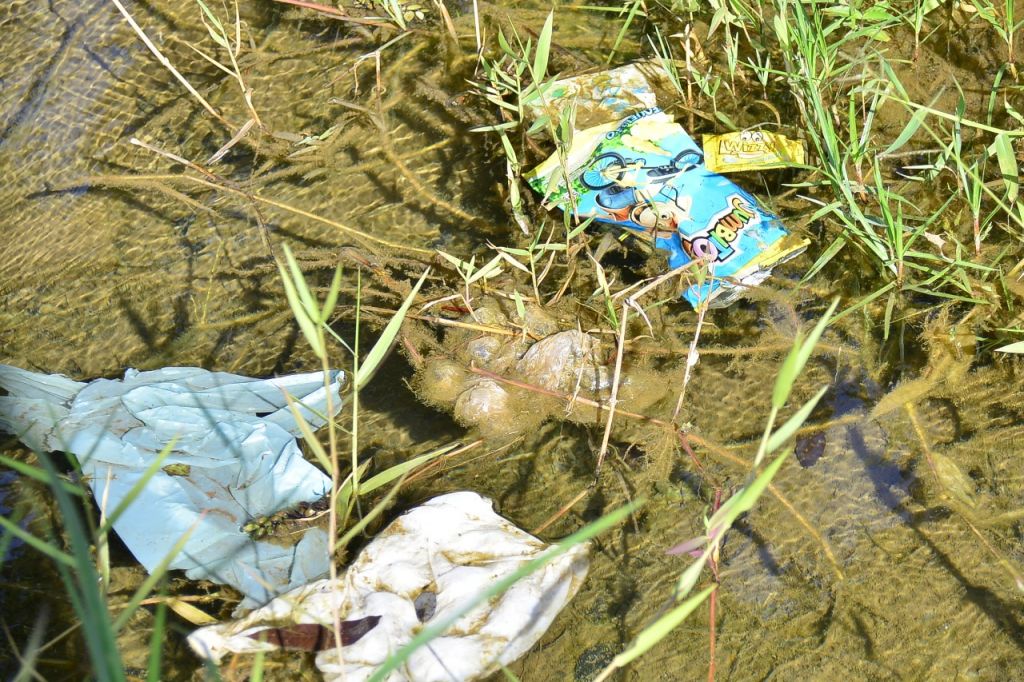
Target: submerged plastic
column 234, row 458
column 751, row 150
column 418, row 571
column 644, row 172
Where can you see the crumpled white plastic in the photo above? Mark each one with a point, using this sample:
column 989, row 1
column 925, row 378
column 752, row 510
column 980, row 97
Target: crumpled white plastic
column 420, row 569
column 235, row 444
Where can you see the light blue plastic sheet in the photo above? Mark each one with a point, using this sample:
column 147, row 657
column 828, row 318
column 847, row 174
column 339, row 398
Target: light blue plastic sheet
column 237, row 437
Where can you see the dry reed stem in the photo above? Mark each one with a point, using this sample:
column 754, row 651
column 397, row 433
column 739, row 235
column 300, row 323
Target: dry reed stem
column 691, row 362
column 333, row 12
column 630, row 302
column 167, row 65
column 613, row 399
column 560, row 513
column 122, row 180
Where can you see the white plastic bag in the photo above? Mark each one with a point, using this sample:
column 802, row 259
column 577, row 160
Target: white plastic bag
column 422, row 568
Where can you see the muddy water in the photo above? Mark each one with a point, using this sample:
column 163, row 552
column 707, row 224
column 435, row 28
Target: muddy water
column 856, row 570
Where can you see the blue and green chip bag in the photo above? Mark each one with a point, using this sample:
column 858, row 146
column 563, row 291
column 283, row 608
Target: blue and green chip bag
column 645, row 173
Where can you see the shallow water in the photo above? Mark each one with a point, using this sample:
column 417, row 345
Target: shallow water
column 104, row 274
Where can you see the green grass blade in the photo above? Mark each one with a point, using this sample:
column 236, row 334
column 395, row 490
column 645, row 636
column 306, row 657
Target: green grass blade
column 370, row 516
column 14, row 530
column 332, row 296
column 307, row 433
column 299, row 310
column 828, row 254
column 908, row 132
column 797, row 358
column 372, row 361
column 540, row 58
column 156, row 641
column 133, row 493
column 83, row 589
column 785, row 431
column 151, row 580
column 259, row 662
column 388, row 475
column 787, row 374
column 656, row 631
column 744, row 500
column 1007, row 165
column 37, row 474
column 219, row 36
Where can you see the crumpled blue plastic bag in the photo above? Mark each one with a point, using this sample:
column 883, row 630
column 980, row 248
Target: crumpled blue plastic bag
column 236, row 454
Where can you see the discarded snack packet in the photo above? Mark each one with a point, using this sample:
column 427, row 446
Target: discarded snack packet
column 751, row 150
column 645, row 173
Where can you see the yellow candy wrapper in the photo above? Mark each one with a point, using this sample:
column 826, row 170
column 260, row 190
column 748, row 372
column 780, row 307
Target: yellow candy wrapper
column 751, row 150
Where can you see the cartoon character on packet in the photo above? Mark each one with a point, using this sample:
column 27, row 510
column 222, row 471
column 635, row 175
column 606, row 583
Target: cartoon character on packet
column 658, row 215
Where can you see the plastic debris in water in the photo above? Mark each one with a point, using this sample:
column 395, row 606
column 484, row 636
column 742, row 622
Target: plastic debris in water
column 234, row 458
column 645, row 173
column 420, row 570
column 751, row 150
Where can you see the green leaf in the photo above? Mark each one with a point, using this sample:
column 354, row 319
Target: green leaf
column 744, row 500
column 133, row 493
column 506, row 144
column 797, row 358
column 1017, row 347
column 908, row 132
column 828, row 254
column 394, row 10
column 156, row 641
column 542, row 122
column 497, row 127
column 692, row 573
column 301, row 288
column 490, row 269
column 460, row 265
column 332, row 296
column 344, row 501
column 368, row 518
column 35, row 543
column 520, row 306
column 39, row 475
column 387, row 338
column 657, row 631
column 812, row 339
column 219, row 37
column 787, row 374
column 540, row 59
column 300, row 301
column 503, row 43
column 307, row 432
column 388, row 475
column 793, row 423
column 152, row 579
column 1003, row 148
column 83, row 588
